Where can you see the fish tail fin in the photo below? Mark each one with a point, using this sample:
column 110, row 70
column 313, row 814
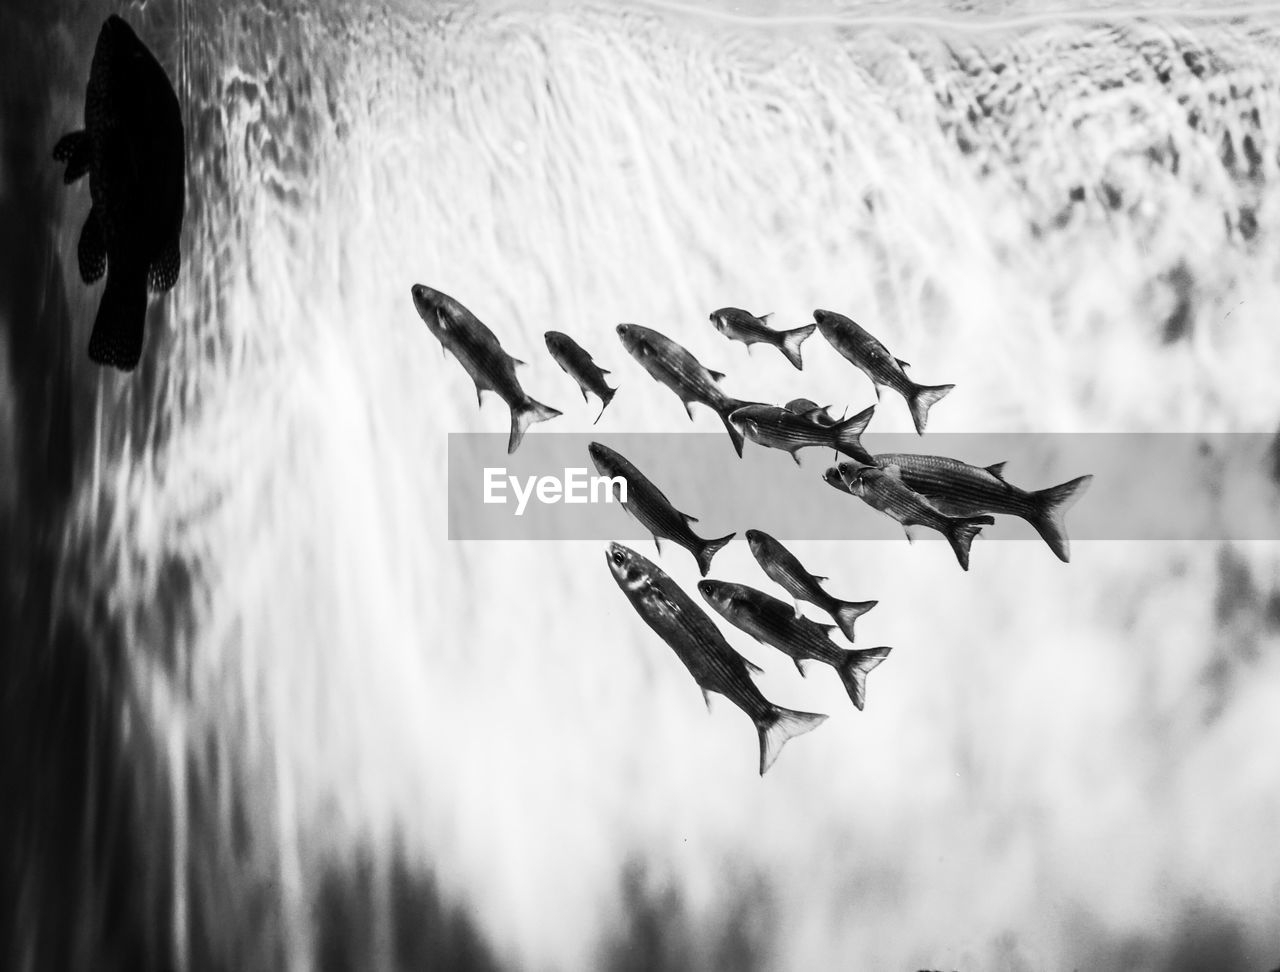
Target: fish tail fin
column 923, row 398
column 605, row 399
column 116, row 340
column 524, row 416
column 1051, row 506
column 708, row 550
column 848, row 435
column 849, row 612
column 73, row 149
column 854, row 668
column 960, row 534
column 791, row 341
column 735, row 435
column 779, row 725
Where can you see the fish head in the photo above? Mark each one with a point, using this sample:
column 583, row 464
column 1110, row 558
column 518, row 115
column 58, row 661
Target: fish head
column 759, row 542
column 437, row 310
column 633, row 340
column 743, row 420
column 832, row 477
column 632, row 571
column 857, row 476
column 606, row 459
column 718, row 594
column 555, row 341
column 718, row 320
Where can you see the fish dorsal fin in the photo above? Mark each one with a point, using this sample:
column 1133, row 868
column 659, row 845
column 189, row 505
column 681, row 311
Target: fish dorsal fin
column 753, row 667
column 605, row 371
column 800, row 405
column 764, row 317
column 688, row 518
column 715, row 375
column 997, row 469
column 517, row 361
column 904, row 365
column 819, row 578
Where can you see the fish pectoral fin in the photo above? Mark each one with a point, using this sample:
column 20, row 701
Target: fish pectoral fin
column 904, row 365
column 91, row 252
column 163, row 273
column 753, row 667
column 688, row 518
column 517, row 361
column 716, row 375
column 819, row 578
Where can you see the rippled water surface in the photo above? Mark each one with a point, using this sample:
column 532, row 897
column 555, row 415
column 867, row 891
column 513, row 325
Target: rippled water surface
column 318, row 733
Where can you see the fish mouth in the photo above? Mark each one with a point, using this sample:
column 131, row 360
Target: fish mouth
column 600, row 456
column 820, row 315
column 754, row 540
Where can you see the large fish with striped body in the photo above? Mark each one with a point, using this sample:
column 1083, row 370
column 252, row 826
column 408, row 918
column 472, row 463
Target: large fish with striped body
column 773, row 622
column 697, row 642
column 739, row 325
column 884, row 490
column 873, row 359
column 480, row 352
column 650, row 506
column 676, row 367
column 133, row 149
column 778, row 427
column 784, row 569
column 960, row 489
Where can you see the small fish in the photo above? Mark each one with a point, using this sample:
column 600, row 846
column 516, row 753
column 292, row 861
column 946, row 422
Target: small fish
column 884, row 490
column 133, row 148
column 676, row 367
column 781, row 428
column 579, row 366
column 874, row 360
column 697, row 642
column 785, row 570
column 805, row 406
column 773, row 622
column 650, row 506
column 480, row 352
column 739, row 325
column 960, row 489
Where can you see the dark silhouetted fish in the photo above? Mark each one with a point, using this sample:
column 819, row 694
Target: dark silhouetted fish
column 697, row 642
column 650, row 506
column 785, row 570
column 874, row 360
column 480, row 353
column 774, row 623
column 677, row 368
column 578, row 365
column 780, row 428
column 805, row 406
column 884, row 490
column 739, row 325
column 133, row 149
column 960, row 489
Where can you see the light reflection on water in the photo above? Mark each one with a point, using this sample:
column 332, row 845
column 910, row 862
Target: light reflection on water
column 338, row 719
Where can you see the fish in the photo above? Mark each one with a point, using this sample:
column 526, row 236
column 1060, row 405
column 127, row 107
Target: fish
column 780, row 428
column 874, row 360
column 773, row 622
column 651, row 508
column 805, row 406
column 133, row 148
column 689, row 631
column 960, row 489
column 577, row 363
column 739, row 325
column 884, row 490
column 480, row 352
column 785, row 570
column 675, row 366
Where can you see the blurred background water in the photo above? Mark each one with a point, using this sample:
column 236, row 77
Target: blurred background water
column 260, row 713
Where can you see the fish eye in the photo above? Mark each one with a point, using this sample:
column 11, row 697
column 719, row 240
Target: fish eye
column 620, row 560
